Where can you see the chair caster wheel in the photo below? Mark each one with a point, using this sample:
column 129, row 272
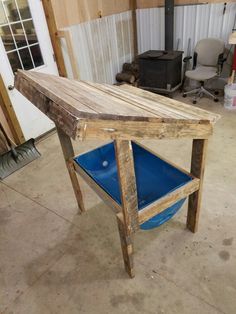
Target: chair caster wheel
column 184, row 95
column 216, row 99
column 194, row 102
column 216, row 92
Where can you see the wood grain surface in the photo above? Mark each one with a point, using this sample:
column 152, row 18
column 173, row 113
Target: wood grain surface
column 87, row 110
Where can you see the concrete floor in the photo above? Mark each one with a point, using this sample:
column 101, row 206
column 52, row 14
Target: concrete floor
column 55, row 261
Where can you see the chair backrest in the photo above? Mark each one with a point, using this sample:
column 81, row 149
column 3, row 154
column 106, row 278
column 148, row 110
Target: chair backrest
column 208, row 50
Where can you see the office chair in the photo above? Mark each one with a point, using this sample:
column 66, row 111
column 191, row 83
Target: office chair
column 208, row 62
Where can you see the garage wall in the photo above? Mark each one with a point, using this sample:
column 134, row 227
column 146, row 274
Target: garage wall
column 101, row 47
column 144, row 4
column 192, row 22
column 72, row 12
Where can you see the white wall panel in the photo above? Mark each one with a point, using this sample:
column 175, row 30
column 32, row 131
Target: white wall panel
column 101, row 47
column 192, row 22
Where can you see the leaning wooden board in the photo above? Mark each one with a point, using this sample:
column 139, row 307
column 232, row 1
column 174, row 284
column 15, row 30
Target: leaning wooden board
column 84, row 110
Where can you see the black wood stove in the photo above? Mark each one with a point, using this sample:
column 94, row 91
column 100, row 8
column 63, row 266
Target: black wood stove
column 161, row 70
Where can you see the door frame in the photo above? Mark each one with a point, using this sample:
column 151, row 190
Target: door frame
column 9, row 113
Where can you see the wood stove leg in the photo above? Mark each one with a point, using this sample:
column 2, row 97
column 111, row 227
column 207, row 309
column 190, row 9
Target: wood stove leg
column 68, row 153
column 199, row 149
column 128, row 223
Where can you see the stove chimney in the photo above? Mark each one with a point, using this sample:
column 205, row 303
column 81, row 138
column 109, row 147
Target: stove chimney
column 169, row 24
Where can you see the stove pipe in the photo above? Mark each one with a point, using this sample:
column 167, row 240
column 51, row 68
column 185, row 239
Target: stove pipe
column 169, row 24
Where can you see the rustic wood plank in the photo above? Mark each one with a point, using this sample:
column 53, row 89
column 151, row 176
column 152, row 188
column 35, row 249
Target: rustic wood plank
column 127, row 183
column 197, row 169
column 67, row 36
column 168, row 200
column 62, row 118
column 126, row 240
column 194, row 112
column 127, row 220
column 110, row 102
column 110, row 113
column 102, row 102
column 9, row 113
column 140, row 103
column 68, row 153
column 136, row 130
column 52, row 27
column 100, row 192
column 55, row 92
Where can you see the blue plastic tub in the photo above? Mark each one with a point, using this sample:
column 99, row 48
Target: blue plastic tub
column 154, row 178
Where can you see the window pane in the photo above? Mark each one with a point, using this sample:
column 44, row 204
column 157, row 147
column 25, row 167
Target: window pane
column 3, row 18
column 14, row 61
column 26, row 59
column 11, row 10
column 37, row 56
column 19, row 35
column 30, row 32
column 7, row 39
column 24, row 9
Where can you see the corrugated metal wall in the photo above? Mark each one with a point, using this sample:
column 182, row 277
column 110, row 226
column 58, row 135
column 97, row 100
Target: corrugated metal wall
column 101, row 47
column 191, row 22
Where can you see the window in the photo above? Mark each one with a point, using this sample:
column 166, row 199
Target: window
column 18, row 35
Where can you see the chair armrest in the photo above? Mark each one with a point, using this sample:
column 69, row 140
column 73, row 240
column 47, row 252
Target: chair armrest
column 186, row 59
column 220, row 63
column 194, row 60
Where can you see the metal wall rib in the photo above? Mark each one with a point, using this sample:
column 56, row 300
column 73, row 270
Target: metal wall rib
column 192, row 22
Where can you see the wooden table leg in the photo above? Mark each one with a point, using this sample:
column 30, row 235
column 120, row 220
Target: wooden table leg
column 68, row 153
column 197, row 169
column 127, row 247
column 128, row 224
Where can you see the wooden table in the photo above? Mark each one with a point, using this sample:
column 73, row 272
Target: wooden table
column 84, row 110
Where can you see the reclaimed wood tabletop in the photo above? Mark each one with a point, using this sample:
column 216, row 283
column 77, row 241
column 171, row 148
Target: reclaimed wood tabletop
column 89, row 110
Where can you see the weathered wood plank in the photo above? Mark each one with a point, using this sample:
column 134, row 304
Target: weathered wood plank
column 126, row 240
column 68, row 153
column 9, row 113
column 67, row 36
column 62, row 118
column 52, row 27
column 100, row 192
column 168, row 200
column 136, row 130
column 102, row 102
column 194, row 112
column 127, row 183
column 108, row 102
column 168, row 113
column 197, row 169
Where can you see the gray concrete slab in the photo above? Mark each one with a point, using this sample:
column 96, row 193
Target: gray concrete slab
column 53, row 260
